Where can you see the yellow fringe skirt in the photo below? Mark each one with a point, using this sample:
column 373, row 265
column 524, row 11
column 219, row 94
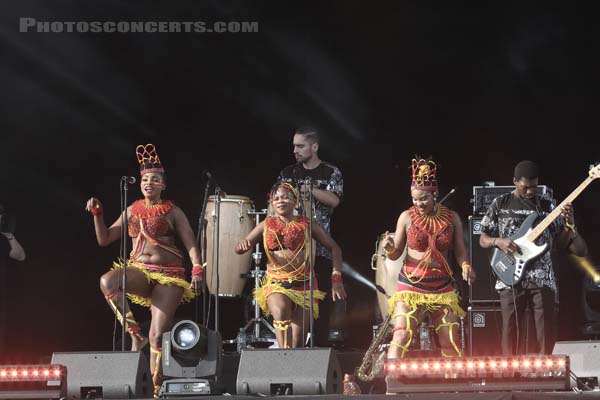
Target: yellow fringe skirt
column 159, row 275
column 297, row 292
column 427, row 301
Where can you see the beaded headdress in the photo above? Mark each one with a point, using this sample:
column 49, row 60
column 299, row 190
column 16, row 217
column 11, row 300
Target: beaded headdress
column 424, row 174
column 148, row 159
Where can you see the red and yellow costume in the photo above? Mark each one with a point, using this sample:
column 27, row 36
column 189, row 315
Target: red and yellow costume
column 289, row 279
column 429, row 282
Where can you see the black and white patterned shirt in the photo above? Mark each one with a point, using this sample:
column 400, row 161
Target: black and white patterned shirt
column 325, row 176
column 505, row 216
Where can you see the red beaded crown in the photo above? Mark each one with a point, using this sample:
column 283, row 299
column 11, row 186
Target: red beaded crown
column 148, row 159
column 424, row 174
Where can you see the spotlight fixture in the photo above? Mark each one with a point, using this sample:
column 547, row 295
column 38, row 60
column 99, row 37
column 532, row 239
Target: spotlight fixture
column 191, row 356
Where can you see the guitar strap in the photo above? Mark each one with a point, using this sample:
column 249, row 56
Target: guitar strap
column 538, row 205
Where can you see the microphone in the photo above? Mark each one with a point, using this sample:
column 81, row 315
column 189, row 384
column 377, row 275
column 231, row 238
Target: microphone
column 206, row 175
column 447, row 195
column 129, row 179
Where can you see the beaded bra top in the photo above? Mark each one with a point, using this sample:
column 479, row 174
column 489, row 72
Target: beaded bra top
column 427, row 228
column 279, row 235
column 153, row 218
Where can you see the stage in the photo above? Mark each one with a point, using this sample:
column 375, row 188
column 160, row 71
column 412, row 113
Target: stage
column 350, row 359
column 129, row 369
column 445, row 396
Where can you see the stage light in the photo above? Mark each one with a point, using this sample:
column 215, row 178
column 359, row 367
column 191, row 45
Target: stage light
column 28, row 381
column 521, row 373
column 191, row 356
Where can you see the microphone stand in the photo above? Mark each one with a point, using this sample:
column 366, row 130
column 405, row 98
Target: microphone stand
column 215, row 256
column 308, row 184
column 201, row 243
column 296, row 179
column 124, row 190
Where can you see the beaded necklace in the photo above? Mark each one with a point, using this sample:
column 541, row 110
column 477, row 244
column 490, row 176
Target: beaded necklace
column 139, row 208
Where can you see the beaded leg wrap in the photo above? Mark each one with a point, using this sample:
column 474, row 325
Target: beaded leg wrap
column 157, row 376
column 407, row 316
column 283, row 325
column 449, row 326
column 131, row 325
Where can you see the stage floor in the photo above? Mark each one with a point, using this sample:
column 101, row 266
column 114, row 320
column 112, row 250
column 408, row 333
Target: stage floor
column 430, row 396
column 349, row 360
column 456, row 396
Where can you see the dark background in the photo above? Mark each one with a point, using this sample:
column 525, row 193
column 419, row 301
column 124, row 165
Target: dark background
column 479, row 86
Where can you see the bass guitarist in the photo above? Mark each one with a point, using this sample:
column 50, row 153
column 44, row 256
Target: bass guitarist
column 537, row 287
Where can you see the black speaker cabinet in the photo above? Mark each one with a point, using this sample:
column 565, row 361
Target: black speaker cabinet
column 306, row 371
column 106, row 374
column 484, row 331
column 482, row 290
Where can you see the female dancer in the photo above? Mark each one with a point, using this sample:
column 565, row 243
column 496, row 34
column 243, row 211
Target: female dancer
column 284, row 292
column 155, row 273
column 425, row 282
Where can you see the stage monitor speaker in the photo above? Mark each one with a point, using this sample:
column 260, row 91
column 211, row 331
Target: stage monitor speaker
column 482, row 290
column 305, row 371
column 106, row 374
column 584, row 359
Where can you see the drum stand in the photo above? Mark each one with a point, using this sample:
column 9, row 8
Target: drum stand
column 256, row 273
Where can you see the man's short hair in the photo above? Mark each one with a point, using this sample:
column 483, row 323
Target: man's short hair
column 309, row 132
column 526, row 169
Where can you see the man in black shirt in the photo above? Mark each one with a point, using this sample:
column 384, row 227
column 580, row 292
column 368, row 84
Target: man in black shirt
column 537, row 289
column 327, row 188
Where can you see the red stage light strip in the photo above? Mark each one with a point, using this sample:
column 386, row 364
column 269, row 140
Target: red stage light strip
column 550, row 366
column 32, row 373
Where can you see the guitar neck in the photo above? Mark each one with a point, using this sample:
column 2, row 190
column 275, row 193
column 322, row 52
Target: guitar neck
column 541, row 227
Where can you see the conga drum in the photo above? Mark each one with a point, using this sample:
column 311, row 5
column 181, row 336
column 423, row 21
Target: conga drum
column 235, row 224
column 386, row 273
